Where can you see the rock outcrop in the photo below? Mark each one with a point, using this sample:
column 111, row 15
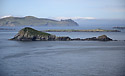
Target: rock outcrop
column 29, row 34
column 99, row 38
column 104, row 38
column 63, row 38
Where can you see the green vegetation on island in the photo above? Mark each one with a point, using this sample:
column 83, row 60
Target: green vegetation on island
column 29, row 34
column 73, row 30
column 31, row 31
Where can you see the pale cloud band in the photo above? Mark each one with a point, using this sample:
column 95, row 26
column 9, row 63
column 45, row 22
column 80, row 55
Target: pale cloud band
column 74, row 18
column 6, row 16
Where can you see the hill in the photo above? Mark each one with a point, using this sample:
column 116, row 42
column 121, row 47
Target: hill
column 34, row 21
column 30, row 34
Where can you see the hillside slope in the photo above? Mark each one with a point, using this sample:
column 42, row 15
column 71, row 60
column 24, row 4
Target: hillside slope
column 33, row 21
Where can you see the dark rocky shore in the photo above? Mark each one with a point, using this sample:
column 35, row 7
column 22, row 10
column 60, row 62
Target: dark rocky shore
column 99, row 38
column 30, row 34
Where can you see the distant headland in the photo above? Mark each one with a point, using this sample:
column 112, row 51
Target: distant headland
column 34, row 21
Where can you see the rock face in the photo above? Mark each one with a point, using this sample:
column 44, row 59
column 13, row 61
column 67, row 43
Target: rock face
column 99, row 38
column 29, row 34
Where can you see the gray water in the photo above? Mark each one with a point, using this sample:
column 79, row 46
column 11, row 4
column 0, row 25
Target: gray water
column 63, row 58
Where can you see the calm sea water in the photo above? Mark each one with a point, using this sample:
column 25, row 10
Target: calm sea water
column 62, row 58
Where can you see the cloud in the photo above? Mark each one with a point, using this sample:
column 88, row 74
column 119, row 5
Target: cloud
column 6, row 16
column 74, row 18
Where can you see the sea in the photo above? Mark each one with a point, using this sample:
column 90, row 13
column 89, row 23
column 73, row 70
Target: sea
column 62, row 58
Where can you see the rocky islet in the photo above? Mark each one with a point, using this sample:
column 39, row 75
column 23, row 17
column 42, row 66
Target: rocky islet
column 30, row 34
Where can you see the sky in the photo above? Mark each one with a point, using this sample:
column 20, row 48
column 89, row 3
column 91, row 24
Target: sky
column 83, row 9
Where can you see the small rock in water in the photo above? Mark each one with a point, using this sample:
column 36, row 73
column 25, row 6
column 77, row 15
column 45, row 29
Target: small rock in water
column 99, row 38
column 104, row 38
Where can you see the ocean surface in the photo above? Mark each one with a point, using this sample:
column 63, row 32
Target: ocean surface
column 62, row 58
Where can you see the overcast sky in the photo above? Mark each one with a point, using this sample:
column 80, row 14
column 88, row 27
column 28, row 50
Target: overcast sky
column 100, row 9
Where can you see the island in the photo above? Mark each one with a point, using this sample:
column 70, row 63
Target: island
column 30, row 34
column 119, row 27
column 34, row 21
column 73, row 30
